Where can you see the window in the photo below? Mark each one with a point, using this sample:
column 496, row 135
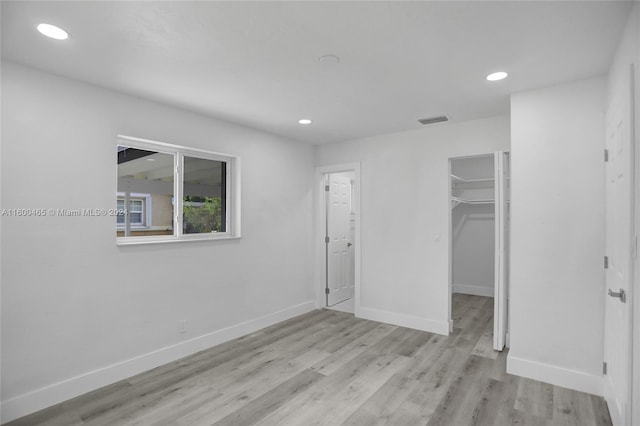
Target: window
column 204, row 196
column 172, row 193
column 139, row 212
column 136, row 211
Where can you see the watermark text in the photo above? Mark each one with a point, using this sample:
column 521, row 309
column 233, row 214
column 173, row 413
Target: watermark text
column 51, row 212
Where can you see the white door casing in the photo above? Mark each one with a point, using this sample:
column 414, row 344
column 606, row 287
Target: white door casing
column 501, row 170
column 339, row 246
column 619, row 252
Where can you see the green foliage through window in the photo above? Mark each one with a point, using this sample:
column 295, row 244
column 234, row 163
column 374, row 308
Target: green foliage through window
column 202, row 215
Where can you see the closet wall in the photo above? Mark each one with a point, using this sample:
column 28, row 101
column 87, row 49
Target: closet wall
column 473, row 225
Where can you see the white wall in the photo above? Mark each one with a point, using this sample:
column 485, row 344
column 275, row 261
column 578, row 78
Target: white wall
column 78, row 311
column 629, row 53
column 557, row 234
column 405, row 216
column 474, row 249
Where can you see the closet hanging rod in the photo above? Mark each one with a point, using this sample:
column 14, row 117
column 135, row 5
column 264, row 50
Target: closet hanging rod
column 462, row 180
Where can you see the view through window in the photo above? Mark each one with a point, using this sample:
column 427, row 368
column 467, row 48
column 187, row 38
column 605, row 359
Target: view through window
column 171, row 192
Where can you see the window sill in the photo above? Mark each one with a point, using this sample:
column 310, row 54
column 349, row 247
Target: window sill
column 131, row 241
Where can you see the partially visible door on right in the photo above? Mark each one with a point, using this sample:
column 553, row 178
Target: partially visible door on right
column 618, row 249
column 500, row 306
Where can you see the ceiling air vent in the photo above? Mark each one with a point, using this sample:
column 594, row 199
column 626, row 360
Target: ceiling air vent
column 432, row 120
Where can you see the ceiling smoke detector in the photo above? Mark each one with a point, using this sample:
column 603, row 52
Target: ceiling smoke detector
column 433, row 120
column 329, row 59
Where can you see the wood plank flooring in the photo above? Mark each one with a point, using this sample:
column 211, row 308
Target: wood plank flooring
column 329, row 368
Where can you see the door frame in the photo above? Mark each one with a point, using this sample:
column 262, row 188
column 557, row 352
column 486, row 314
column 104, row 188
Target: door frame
column 320, row 247
column 505, row 291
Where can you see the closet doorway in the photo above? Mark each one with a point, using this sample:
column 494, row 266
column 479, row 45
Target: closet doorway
column 479, row 238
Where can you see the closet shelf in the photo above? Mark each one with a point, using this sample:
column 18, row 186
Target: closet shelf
column 455, row 201
column 458, row 179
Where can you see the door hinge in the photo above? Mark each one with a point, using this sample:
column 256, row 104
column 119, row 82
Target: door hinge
column 606, row 262
column 326, row 290
column 326, row 240
column 604, row 368
column 606, row 155
column 326, row 188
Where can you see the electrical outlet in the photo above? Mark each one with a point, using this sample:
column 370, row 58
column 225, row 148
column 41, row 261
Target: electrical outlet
column 182, row 326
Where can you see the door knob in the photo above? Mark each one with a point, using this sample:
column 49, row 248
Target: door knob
column 349, row 244
column 621, row 294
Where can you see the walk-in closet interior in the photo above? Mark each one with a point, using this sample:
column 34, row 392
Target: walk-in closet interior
column 479, row 198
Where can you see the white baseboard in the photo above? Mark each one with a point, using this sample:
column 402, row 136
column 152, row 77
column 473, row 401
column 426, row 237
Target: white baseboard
column 474, row 290
column 47, row 396
column 559, row 376
column 409, row 321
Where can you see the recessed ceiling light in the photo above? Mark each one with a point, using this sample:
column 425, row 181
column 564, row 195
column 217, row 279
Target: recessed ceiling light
column 497, row 76
column 304, row 121
column 52, row 31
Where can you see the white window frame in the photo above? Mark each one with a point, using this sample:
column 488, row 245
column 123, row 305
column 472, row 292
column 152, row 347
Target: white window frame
column 232, row 214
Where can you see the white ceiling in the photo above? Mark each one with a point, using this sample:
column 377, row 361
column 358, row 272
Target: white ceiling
column 256, row 63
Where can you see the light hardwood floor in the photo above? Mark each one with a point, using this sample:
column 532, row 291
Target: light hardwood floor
column 329, row 368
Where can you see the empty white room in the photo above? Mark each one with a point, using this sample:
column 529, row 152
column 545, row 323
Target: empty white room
column 320, row 213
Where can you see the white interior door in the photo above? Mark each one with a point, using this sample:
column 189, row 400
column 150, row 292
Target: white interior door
column 619, row 252
column 340, row 285
column 501, row 172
